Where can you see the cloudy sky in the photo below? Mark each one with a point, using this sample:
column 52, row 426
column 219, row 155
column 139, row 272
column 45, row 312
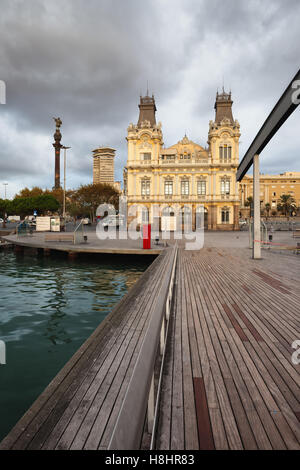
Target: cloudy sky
column 87, row 61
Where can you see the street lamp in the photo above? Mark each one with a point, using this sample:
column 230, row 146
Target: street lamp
column 4, row 224
column 65, row 160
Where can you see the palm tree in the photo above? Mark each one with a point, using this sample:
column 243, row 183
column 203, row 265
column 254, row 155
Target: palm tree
column 287, row 204
column 248, row 203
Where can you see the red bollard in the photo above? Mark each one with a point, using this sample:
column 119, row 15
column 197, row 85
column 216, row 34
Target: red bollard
column 147, row 237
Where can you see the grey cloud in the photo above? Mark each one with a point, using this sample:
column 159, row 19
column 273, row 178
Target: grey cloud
column 87, row 62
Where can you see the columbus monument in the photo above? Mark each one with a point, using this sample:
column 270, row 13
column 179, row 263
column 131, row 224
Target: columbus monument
column 57, row 146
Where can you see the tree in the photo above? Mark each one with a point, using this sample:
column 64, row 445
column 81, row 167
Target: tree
column 35, row 191
column 267, row 208
column 46, row 203
column 88, row 198
column 287, row 205
column 57, row 193
column 26, row 205
column 248, row 203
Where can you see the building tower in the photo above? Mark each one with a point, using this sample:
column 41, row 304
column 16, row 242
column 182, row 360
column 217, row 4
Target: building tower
column 103, row 165
column 223, row 141
column 145, row 141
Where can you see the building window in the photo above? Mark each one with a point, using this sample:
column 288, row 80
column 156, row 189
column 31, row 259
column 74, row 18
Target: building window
column 225, row 216
column 201, row 188
column 225, row 186
column 225, row 153
column 145, row 187
column 221, row 153
column 168, row 188
column 146, row 156
column 185, row 188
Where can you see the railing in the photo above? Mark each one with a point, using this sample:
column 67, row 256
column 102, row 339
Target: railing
column 140, row 395
column 79, row 234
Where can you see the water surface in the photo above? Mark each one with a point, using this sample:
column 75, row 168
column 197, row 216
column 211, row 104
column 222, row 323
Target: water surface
column 49, row 307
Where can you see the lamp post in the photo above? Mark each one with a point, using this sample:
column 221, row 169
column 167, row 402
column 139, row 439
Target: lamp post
column 65, row 164
column 4, row 217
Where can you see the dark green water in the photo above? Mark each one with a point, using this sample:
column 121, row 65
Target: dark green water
column 48, row 308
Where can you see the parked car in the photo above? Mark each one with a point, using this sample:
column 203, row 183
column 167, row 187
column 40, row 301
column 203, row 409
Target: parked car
column 1, row 221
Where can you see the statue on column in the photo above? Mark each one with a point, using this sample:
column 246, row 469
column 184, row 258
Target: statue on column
column 57, row 146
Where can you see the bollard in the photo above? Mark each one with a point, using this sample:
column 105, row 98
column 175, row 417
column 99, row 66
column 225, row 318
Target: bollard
column 147, row 237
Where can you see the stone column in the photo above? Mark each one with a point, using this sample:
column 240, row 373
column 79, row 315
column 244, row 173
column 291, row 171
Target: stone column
column 236, row 218
column 214, row 217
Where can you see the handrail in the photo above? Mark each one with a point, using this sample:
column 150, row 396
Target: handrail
column 76, row 229
column 128, row 431
column 79, row 225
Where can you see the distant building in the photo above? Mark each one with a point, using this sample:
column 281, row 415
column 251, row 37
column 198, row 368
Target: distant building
column 103, row 165
column 184, row 176
column 271, row 188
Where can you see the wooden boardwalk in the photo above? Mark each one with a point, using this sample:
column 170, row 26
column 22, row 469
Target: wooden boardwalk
column 229, row 382
column 228, row 379
column 79, row 408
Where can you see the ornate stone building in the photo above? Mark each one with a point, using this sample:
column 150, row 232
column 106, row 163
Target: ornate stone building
column 185, row 174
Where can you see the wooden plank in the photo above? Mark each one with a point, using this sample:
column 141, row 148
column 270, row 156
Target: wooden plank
column 203, row 419
column 235, row 324
column 190, row 422
column 177, row 419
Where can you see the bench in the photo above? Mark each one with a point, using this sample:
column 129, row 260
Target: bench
column 59, row 237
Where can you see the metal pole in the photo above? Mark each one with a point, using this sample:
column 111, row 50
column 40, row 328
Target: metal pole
column 256, row 209
column 65, row 167
column 5, row 184
column 64, row 204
